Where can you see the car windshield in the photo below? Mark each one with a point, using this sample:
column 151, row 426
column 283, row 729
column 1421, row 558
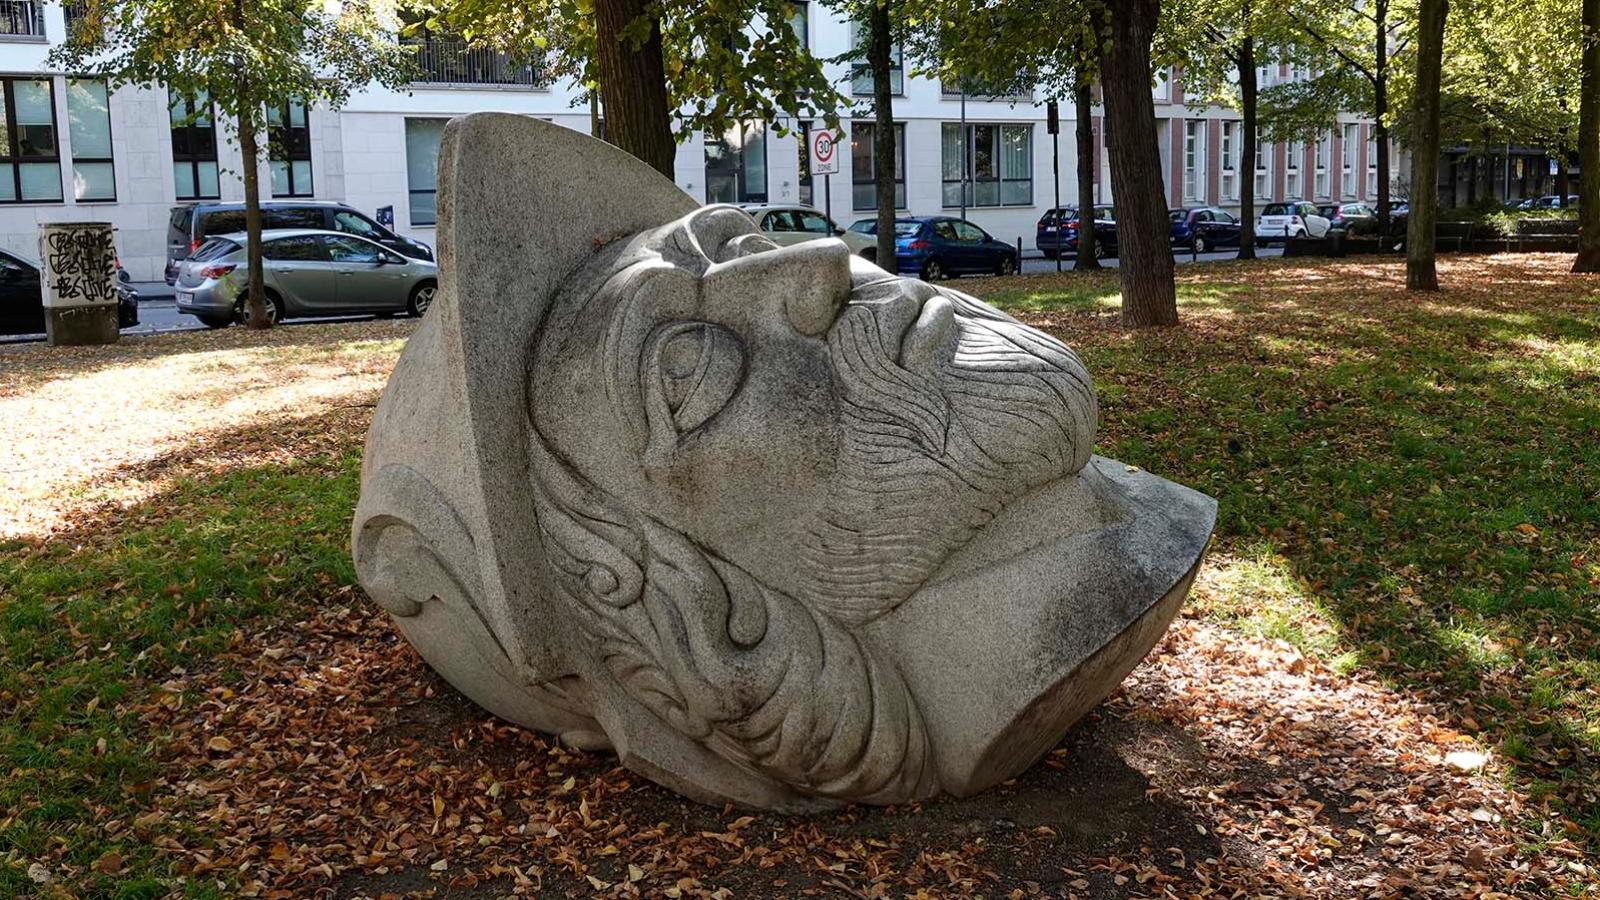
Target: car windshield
column 1178, row 215
column 1058, row 215
column 1105, row 213
column 214, row 248
column 1277, row 209
column 906, row 229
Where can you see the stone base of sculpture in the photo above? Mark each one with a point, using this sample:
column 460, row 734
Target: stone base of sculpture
column 778, row 528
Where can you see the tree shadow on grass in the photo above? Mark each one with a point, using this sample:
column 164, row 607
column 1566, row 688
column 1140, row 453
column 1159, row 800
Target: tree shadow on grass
column 1427, row 471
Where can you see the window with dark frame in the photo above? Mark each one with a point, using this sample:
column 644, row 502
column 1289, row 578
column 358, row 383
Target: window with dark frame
column 422, row 168
column 998, row 164
column 89, row 127
column 289, row 160
column 736, row 164
column 32, row 151
column 864, row 169
column 194, row 147
column 861, row 80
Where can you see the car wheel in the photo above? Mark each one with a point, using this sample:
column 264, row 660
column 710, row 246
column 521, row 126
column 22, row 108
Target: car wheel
column 932, row 270
column 1008, row 266
column 1198, row 244
column 215, row 321
column 870, row 254
column 241, row 310
column 421, row 298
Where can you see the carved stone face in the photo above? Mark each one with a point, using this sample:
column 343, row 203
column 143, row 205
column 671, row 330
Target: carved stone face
column 832, row 430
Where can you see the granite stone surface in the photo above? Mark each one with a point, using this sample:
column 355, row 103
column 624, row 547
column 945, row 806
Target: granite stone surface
column 779, row 528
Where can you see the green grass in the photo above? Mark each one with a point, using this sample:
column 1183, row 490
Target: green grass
column 92, row 622
column 1408, row 486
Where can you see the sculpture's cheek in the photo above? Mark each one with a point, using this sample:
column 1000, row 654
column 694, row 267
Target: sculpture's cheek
column 750, row 480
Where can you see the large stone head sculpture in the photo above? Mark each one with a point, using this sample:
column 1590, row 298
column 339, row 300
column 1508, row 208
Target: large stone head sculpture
column 782, row 529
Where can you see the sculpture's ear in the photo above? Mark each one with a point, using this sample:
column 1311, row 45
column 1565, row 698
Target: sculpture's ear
column 522, row 204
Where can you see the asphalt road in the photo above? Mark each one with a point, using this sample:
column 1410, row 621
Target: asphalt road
column 158, row 313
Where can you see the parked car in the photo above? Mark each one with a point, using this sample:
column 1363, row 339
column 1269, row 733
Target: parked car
column 1551, row 201
column 1279, row 222
column 1354, row 218
column 308, row 273
column 190, row 225
column 1201, row 228
column 1057, row 231
column 864, row 226
column 936, row 246
column 797, row 224
column 22, row 302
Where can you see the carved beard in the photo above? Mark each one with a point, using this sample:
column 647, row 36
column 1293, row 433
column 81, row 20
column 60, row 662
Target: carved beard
column 931, row 453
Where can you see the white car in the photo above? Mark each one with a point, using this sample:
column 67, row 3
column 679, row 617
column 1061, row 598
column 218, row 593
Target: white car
column 797, row 224
column 1279, row 222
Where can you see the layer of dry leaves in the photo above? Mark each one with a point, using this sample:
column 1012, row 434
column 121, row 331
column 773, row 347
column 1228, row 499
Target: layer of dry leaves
column 323, row 758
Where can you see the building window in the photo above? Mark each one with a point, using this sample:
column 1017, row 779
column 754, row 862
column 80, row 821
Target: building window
column 861, row 84
column 997, row 161
column 1372, row 169
column 1230, row 160
column 422, row 168
column 194, row 147
column 289, row 160
column 864, row 167
column 1324, row 151
column 1194, row 157
column 803, row 143
column 1347, row 184
column 31, row 151
column 736, row 164
column 1263, row 168
column 1293, row 154
column 800, row 21
column 89, row 128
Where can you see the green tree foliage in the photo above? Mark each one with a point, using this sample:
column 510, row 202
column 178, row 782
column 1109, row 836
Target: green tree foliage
column 1001, row 47
column 663, row 70
column 1512, row 74
column 246, row 56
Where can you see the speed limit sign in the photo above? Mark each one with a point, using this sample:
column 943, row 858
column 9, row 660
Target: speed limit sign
column 824, row 153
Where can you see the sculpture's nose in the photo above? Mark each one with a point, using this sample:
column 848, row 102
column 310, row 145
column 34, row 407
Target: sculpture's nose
column 822, row 288
column 809, row 282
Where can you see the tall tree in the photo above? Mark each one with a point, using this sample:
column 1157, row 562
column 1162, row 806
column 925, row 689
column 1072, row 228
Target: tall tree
column 880, row 53
column 1421, row 274
column 664, row 69
column 1083, row 110
column 1010, row 44
column 1149, row 296
column 1589, row 145
column 1215, row 43
column 1356, row 51
column 247, row 56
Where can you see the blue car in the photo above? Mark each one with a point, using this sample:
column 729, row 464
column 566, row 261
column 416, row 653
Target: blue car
column 938, row 246
column 1202, row 228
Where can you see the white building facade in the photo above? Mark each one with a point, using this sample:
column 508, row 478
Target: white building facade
column 74, row 153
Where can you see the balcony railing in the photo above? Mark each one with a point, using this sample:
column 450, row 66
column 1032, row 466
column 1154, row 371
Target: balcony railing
column 21, row 19
column 448, row 62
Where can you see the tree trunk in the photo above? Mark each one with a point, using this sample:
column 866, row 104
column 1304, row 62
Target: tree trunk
column 1589, row 145
column 1149, row 296
column 1421, row 275
column 1246, row 60
column 880, row 45
column 1083, row 110
column 1380, row 111
column 255, row 290
column 633, row 85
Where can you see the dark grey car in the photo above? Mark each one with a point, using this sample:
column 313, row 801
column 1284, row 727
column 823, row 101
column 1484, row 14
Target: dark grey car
column 307, row 273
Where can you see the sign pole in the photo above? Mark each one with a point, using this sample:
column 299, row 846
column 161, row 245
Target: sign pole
column 827, row 196
column 1053, row 121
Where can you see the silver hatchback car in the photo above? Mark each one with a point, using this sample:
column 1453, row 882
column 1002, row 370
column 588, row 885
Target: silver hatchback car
column 308, row 273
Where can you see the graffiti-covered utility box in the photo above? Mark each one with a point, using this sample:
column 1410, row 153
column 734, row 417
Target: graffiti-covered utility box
column 80, row 282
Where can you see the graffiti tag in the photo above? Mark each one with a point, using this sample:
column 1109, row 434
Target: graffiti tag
column 81, row 266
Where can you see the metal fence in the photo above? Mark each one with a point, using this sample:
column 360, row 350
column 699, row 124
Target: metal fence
column 457, row 62
column 21, row 17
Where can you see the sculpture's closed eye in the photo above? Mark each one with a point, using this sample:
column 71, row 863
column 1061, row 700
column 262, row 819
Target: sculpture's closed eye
column 696, row 369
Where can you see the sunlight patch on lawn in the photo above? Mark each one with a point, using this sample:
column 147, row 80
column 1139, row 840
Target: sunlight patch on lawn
column 146, row 409
column 1256, row 593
